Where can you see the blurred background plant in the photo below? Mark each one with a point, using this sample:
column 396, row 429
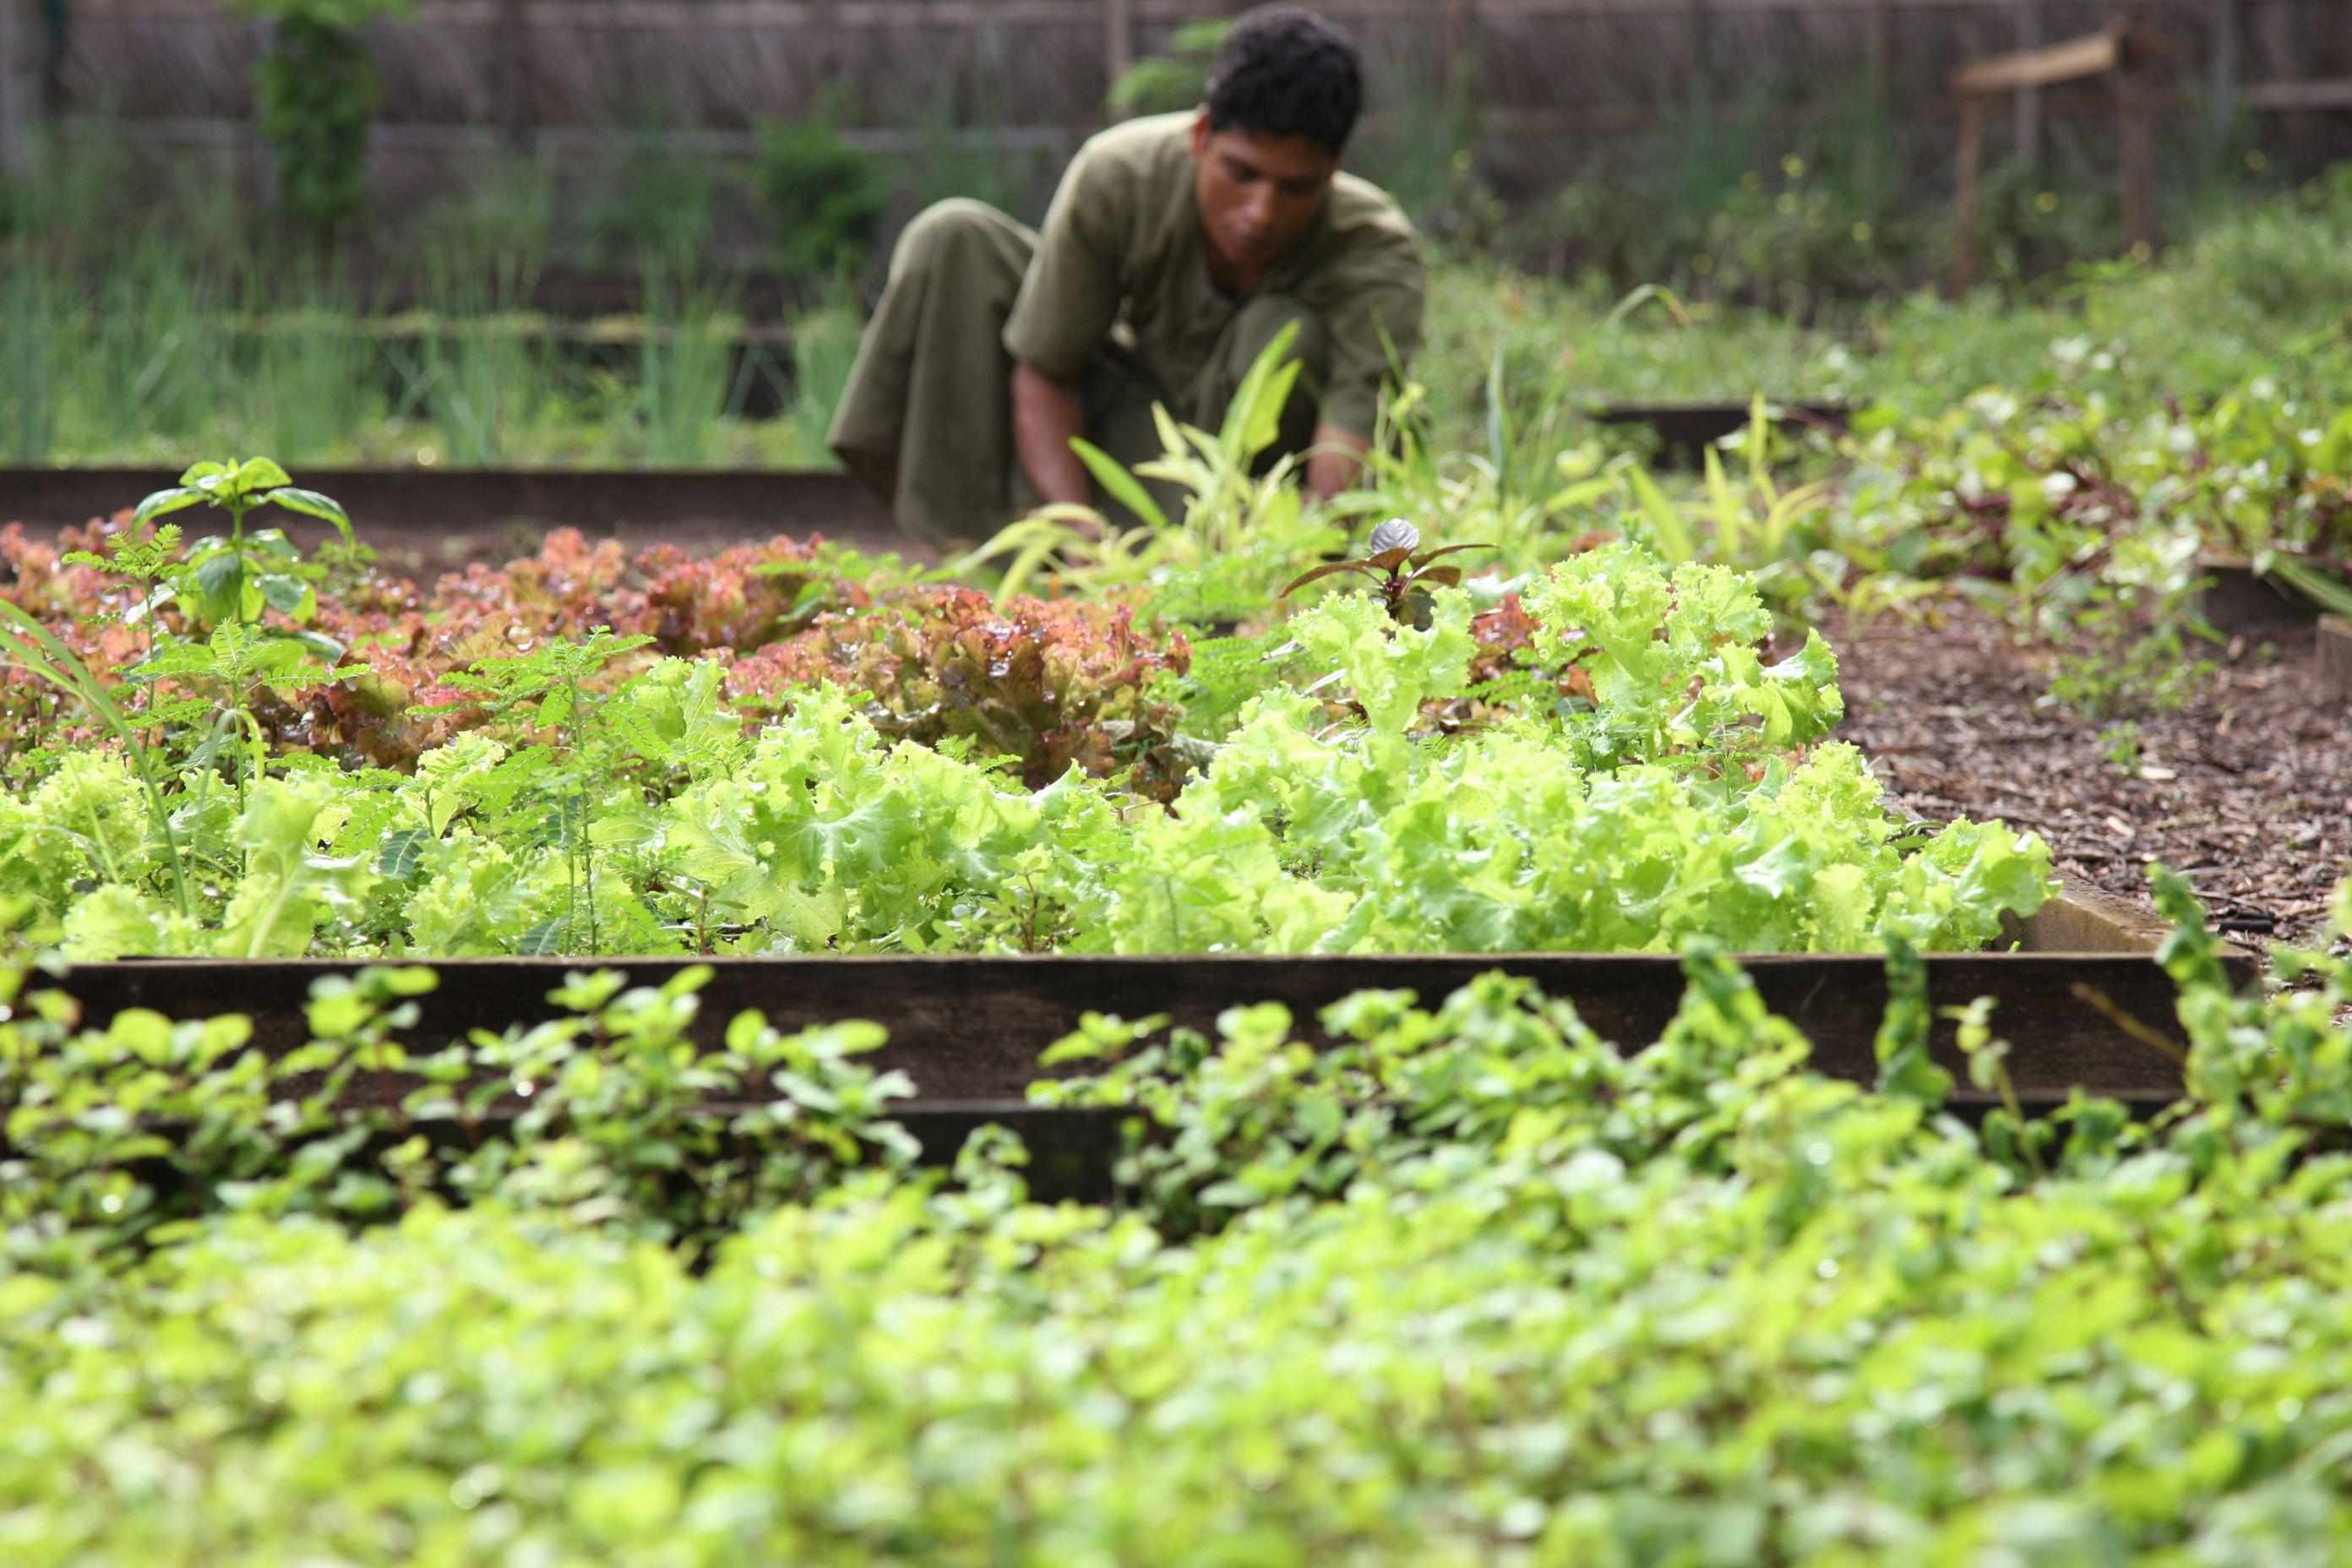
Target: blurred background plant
column 317, row 88
column 961, row 146
column 825, row 198
column 660, row 202
column 1173, row 77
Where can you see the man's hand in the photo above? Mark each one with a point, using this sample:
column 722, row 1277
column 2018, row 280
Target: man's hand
column 1047, row 413
column 1334, row 461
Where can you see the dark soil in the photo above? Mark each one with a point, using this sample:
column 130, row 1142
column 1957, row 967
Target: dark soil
column 2247, row 789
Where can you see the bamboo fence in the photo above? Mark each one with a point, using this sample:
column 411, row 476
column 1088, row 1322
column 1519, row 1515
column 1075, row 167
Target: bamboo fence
column 1552, row 82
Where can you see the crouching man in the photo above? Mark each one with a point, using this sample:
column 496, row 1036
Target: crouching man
column 1176, row 249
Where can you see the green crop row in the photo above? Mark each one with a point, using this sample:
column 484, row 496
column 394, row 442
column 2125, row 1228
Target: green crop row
column 1470, row 1286
column 1651, row 780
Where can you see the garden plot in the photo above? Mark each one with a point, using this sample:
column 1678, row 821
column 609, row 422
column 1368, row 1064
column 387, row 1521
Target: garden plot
column 963, row 1037
column 2247, row 789
column 1603, row 767
column 1606, row 766
column 421, row 522
column 606, row 1320
column 1758, row 1174
column 561, row 1246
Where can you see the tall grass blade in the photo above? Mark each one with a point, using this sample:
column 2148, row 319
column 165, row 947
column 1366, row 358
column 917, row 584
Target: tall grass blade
column 1118, row 483
column 823, row 352
column 1668, row 529
column 2323, row 588
column 28, row 420
column 1730, row 514
column 34, row 649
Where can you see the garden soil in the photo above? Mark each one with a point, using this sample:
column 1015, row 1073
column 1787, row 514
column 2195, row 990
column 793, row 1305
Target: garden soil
column 2247, row 789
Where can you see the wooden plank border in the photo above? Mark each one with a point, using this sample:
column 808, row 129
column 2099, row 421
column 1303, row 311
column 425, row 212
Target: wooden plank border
column 2336, row 654
column 969, row 1028
column 2046, row 67
column 2236, row 598
column 389, row 505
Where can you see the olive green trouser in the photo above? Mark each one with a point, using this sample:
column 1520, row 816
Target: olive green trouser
column 925, row 421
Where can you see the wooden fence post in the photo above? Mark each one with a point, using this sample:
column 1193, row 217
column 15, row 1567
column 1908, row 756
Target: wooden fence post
column 1702, row 53
column 12, row 92
column 1964, row 190
column 2285, row 44
column 2027, row 122
column 1877, row 55
column 1877, row 68
column 828, row 51
column 1453, row 63
column 510, row 40
column 2223, row 45
column 1119, row 40
column 265, row 164
column 2136, row 140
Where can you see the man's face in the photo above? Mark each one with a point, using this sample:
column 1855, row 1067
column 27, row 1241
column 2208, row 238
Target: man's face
column 1257, row 195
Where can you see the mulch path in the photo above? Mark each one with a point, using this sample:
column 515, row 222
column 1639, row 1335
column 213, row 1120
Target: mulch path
column 2248, row 789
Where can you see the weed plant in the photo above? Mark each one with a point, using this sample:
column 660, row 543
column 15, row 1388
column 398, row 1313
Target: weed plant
column 316, row 90
column 824, row 340
column 1422, row 151
column 28, row 363
column 658, row 202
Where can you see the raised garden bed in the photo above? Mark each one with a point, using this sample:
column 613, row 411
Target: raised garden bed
column 2235, row 598
column 1685, row 430
column 422, row 519
column 2246, row 789
column 392, row 506
column 2079, row 1000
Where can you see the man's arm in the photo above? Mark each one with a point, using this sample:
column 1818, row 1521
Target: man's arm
column 1372, row 309
column 1064, row 312
column 1334, row 461
column 1047, row 413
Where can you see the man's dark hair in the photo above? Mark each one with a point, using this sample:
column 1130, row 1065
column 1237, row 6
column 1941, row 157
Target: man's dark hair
column 1282, row 70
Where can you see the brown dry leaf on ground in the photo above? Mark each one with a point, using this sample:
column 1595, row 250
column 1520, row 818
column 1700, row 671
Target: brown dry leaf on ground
column 2248, row 789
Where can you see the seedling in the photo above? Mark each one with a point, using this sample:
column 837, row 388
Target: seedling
column 227, row 584
column 145, row 560
column 547, row 688
column 2120, row 745
column 234, row 579
column 1394, row 561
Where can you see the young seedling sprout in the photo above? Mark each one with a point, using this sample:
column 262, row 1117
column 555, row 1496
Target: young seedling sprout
column 1397, row 565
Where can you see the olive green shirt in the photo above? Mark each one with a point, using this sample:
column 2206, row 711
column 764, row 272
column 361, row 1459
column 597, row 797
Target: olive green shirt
column 1122, row 247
